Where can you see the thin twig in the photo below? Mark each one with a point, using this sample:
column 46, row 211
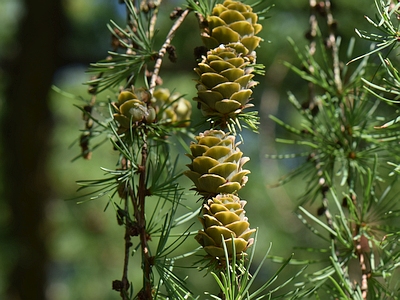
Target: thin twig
column 128, row 244
column 163, row 49
column 142, row 193
column 361, row 243
column 324, row 188
column 335, row 51
column 362, row 247
column 153, row 20
column 312, row 34
column 313, row 27
column 364, row 273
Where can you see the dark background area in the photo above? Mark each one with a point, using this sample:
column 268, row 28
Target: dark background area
column 56, row 249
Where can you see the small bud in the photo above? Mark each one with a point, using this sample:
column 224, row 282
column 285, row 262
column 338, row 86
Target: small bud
column 137, row 113
column 321, row 210
column 172, row 53
column 176, row 13
column 151, row 115
column 117, row 285
column 199, row 52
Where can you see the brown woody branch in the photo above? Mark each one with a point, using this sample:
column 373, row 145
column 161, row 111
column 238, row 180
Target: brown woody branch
column 138, row 228
column 141, row 219
column 311, row 105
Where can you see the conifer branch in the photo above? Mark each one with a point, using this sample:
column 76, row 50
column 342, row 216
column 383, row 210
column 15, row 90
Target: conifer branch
column 164, row 47
column 364, row 273
column 322, row 181
column 332, row 24
column 155, row 5
column 335, row 129
column 311, row 35
column 340, row 141
column 127, row 254
column 142, row 193
column 123, row 218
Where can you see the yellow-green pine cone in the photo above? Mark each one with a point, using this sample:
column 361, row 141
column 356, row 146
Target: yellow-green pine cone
column 224, row 86
column 233, row 24
column 217, row 164
column 223, row 218
column 129, row 110
column 171, row 108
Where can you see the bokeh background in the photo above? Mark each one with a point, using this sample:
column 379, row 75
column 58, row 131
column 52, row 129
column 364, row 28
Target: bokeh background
column 52, row 248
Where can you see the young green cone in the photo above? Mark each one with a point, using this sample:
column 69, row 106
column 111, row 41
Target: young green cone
column 224, row 219
column 131, row 110
column 216, row 164
column 171, row 108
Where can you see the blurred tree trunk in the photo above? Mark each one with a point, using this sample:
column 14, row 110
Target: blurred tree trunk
column 26, row 133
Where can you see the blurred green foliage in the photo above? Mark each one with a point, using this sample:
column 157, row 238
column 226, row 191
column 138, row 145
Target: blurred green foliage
column 85, row 243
